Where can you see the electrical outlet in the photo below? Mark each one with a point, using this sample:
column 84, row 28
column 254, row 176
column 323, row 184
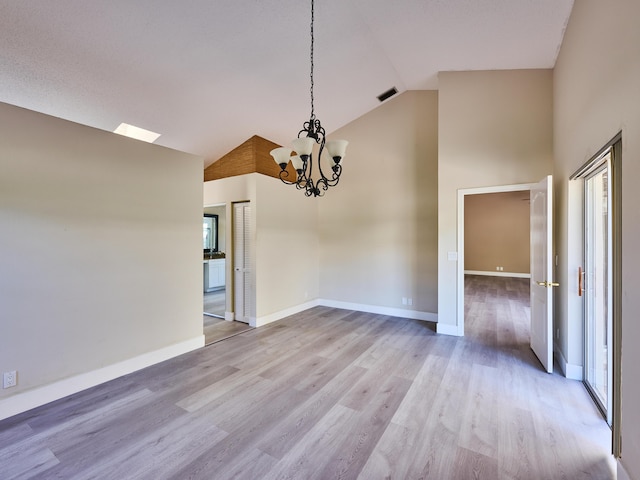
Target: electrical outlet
column 10, row 379
column 404, row 300
column 410, row 301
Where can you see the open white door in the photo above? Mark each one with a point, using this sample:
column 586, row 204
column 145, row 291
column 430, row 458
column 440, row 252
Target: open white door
column 541, row 273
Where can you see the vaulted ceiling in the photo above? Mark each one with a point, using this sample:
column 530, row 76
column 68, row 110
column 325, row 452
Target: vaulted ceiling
column 208, row 74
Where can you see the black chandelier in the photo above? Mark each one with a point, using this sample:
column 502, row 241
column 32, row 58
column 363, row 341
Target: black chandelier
column 303, row 145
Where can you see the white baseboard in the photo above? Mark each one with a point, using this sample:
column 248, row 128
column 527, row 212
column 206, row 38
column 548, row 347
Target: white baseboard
column 569, row 370
column 273, row 317
column 21, row 402
column 622, row 473
column 228, row 316
column 391, row 311
column 446, row 329
column 497, row 274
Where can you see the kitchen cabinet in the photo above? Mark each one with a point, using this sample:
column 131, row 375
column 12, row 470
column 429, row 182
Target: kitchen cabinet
column 214, row 274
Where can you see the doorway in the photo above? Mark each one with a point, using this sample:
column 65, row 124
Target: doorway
column 218, row 322
column 214, row 233
column 600, row 281
column 519, row 191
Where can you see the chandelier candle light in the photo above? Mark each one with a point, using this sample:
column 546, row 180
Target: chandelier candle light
column 303, row 145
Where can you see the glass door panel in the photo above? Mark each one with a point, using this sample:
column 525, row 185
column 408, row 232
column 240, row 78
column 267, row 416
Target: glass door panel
column 598, row 298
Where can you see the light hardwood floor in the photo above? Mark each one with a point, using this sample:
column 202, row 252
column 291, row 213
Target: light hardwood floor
column 215, row 302
column 216, row 329
column 330, row 394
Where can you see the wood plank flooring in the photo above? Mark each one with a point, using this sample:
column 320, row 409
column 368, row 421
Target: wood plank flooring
column 330, row 394
column 215, row 302
column 216, row 329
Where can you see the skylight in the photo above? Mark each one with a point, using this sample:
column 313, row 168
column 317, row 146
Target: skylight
column 136, row 132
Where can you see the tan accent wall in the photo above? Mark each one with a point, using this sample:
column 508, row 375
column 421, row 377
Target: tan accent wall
column 100, row 250
column 378, row 227
column 495, row 128
column 597, row 95
column 496, row 232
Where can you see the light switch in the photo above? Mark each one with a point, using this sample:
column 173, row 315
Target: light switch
column 452, row 256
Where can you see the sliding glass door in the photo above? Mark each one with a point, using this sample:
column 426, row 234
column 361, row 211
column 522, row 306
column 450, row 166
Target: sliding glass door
column 598, row 286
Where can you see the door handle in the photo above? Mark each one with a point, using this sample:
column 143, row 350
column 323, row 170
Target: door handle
column 548, row 284
column 580, row 280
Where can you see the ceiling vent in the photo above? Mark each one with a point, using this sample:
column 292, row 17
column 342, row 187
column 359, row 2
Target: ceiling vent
column 389, row 93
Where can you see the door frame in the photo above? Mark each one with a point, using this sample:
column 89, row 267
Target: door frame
column 615, row 169
column 462, row 192
column 603, row 163
column 228, row 251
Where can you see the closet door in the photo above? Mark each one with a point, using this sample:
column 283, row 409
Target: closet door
column 243, row 290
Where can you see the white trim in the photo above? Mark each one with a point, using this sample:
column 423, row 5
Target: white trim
column 391, row 311
column 497, row 274
column 460, row 240
column 516, row 187
column 569, row 370
column 360, row 307
column 36, row 397
column 622, row 473
column 446, row 329
column 229, row 316
column 274, row 317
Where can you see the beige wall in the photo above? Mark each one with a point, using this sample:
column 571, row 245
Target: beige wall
column 370, row 241
column 377, row 229
column 285, row 245
column 597, row 95
column 495, row 128
column 100, row 250
column 496, row 232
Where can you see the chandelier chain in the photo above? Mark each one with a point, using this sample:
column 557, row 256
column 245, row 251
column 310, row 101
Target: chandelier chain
column 313, row 116
column 303, row 161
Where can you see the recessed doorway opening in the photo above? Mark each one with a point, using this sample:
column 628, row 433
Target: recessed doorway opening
column 218, row 323
column 484, row 264
column 214, row 233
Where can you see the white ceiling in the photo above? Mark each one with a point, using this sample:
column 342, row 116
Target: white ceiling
column 209, row 74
